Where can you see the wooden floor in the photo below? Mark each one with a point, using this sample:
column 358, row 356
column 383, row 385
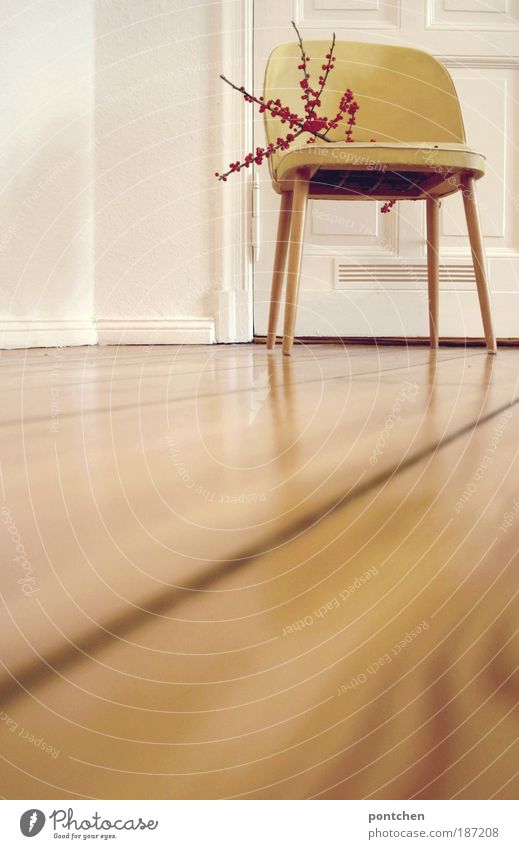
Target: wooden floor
column 226, row 573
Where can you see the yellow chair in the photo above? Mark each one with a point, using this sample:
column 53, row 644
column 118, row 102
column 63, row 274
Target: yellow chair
column 408, row 103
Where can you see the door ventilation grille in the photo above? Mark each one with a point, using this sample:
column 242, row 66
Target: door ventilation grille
column 406, row 276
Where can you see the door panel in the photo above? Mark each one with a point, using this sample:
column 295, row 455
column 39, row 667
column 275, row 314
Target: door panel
column 363, row 273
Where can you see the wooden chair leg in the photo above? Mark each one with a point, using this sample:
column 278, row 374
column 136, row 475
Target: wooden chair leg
column 478, row 259
column 433, row 266
column 285, row 213
column 299, row 204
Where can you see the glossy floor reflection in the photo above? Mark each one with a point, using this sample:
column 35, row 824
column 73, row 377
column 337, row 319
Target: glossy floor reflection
column 226, row 573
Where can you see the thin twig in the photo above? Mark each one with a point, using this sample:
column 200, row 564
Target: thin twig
column 297, row 122
column 303, row 58
column 243, row 164
column 339, row 117
column 323, row 84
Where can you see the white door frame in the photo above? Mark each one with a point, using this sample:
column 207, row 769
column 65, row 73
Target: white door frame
column 234, row 292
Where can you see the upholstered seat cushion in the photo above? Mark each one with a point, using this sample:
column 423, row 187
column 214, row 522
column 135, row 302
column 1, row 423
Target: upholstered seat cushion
column 380, row 170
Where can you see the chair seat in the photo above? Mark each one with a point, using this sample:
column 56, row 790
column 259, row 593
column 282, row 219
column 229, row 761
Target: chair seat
column 359, row 170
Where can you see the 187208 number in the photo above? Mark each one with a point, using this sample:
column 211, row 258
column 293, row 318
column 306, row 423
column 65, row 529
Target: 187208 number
column 478, row 832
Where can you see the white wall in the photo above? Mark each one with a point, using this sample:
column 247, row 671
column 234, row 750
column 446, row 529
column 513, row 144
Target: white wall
column 148, row 266
column 46, row 159
column 157, row 201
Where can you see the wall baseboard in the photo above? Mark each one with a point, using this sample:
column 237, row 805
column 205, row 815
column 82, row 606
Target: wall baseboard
column 41, row 333
column 175, row 331
column 29, row 333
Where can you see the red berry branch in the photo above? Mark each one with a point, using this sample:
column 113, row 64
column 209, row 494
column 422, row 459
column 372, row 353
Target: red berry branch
column 303, row 66
column 311, row 122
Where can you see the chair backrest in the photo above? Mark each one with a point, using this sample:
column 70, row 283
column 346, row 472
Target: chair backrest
column 405, row 95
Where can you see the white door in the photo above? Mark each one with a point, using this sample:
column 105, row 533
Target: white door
column 364, row 273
